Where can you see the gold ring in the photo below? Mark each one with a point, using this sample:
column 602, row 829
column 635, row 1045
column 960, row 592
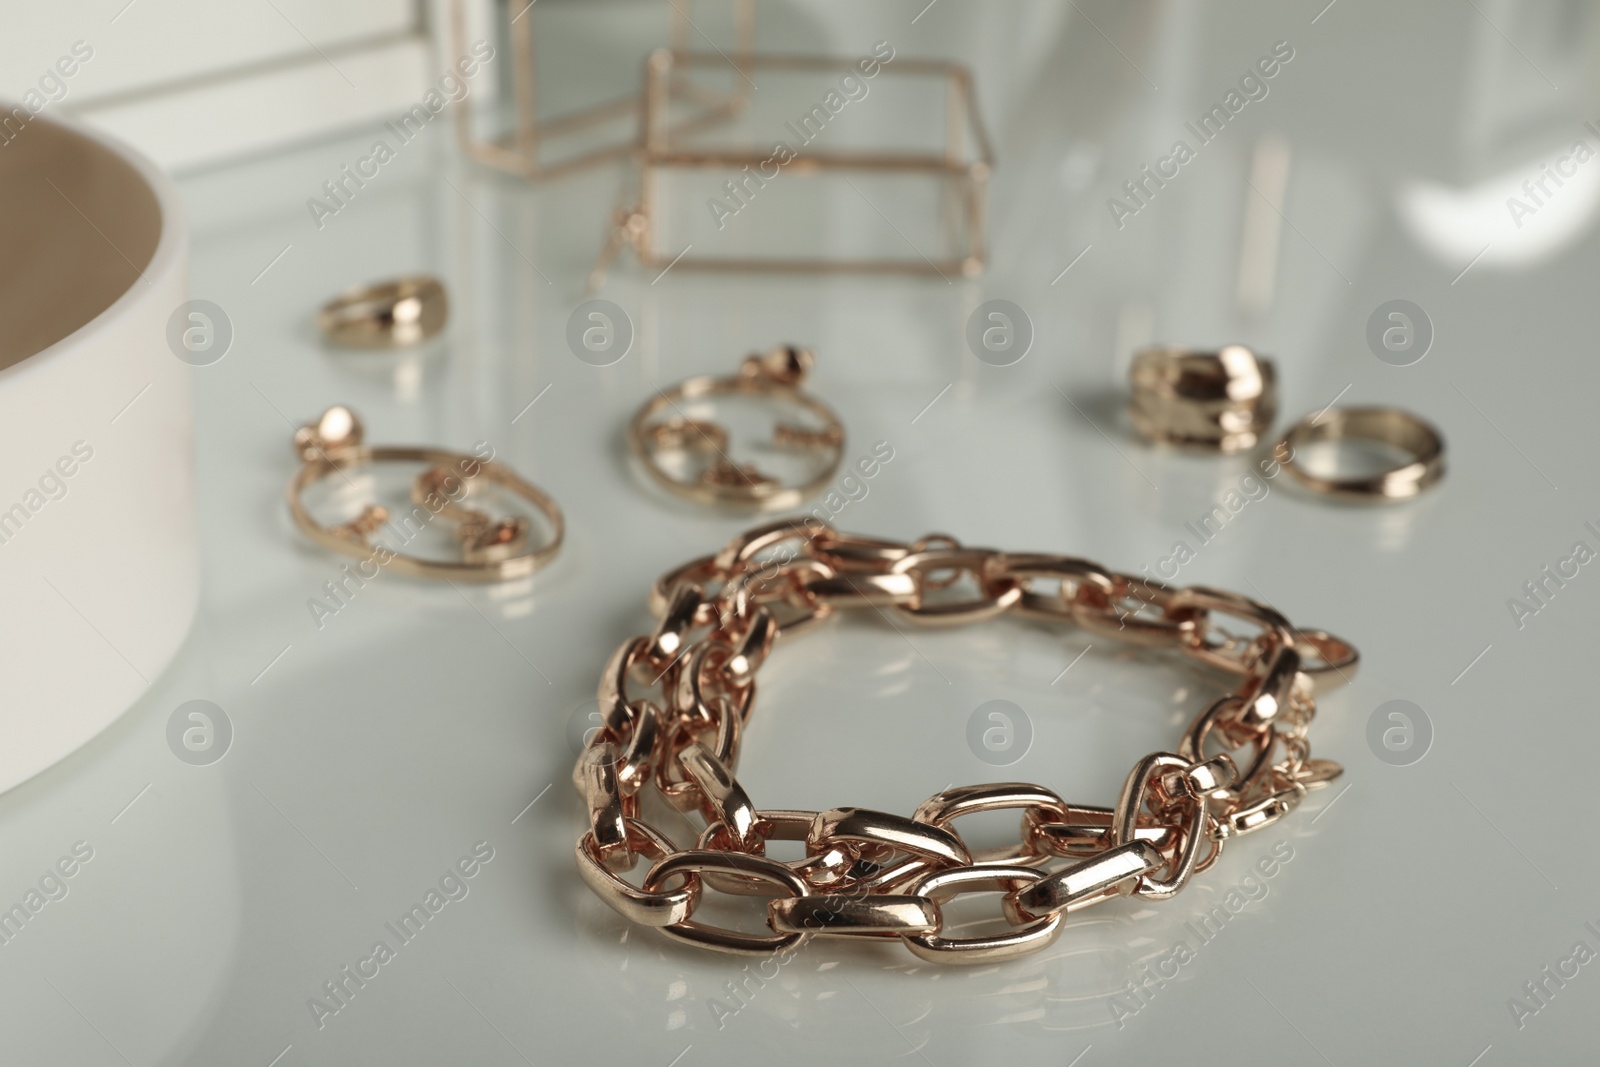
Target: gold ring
column 391, row 314
column 1220, row 401
column 1389, row 426
column 492, row 550
column 721, row 481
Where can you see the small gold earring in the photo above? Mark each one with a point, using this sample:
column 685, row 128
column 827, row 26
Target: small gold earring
column 492, row 550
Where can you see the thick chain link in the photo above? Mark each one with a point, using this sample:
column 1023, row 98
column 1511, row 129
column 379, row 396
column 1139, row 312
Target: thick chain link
column 674, row 704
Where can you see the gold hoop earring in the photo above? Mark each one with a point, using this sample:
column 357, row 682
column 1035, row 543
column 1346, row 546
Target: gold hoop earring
column 492, row 550
column 723, row 482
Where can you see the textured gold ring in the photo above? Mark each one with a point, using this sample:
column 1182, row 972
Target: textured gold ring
column 1221, row 401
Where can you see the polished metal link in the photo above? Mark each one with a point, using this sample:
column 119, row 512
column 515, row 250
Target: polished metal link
column 616, row 681
column 722, row 798
column 888, row 831
column 849, row 590
column 697, row 571
column 946, row 807
column 1086, row 831
column 1330, row 661
column 1018, row 939
column 704, row 692
column 739, row 553
column 1068, row 572
column 647, row 907
column 1143, row 788
column 1221, row 718
column 1115, row 872
column 1271, row 690
column 1218, row 647
column 847, row 552
column 672, row 778
column 674, row 704
column 828, row 867
column 1134, row 610
column 609, row 808
column 750, row 647
column 670, row 641
column 881, row 915
column 996, row 594
column 695, row 862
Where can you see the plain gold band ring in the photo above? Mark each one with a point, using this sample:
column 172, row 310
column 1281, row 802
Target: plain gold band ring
column 1389, row 426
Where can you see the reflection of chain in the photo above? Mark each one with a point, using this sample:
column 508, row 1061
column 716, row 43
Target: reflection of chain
column 873, row 874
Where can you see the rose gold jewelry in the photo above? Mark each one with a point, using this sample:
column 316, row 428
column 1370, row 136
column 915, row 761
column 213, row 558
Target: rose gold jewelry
column 392, row 314
column 521, row 150
column 1390, row 426
column 661, row 426
column 674, row 704
column 958, row 162
column 1222, row 401
column 492, row 550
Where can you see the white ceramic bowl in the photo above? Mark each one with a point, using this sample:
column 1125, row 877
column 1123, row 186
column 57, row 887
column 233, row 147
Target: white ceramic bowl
column 99, row 562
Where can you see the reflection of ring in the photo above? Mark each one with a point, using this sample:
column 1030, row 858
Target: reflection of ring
column 492, row 550
column 389, row 314
column 1389, row 426
column 1223, row 400
column 777, row 375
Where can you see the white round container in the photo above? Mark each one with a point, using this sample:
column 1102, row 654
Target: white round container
column 99, row 561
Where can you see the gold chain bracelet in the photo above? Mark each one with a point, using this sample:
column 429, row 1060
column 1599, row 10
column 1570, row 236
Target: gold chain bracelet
column 878, row 875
